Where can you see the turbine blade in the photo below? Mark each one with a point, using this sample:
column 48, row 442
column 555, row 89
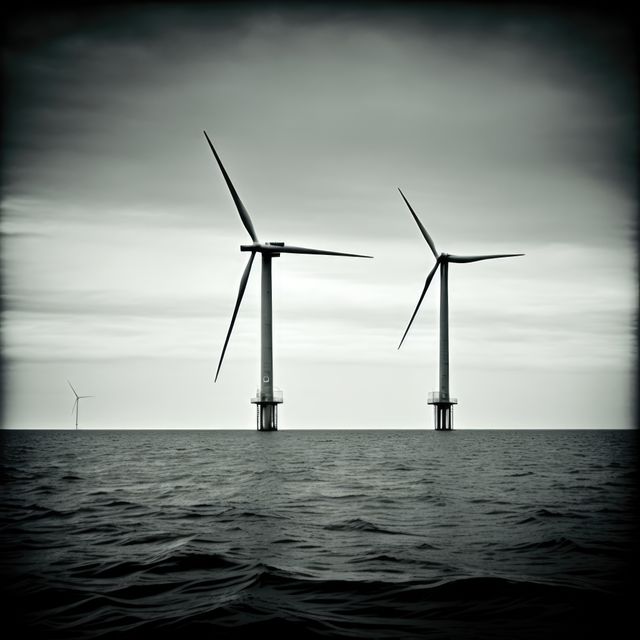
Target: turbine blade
column 72, row 389
column 426, row 286
column 243, row 286
column 320, row 252
column 244, row 216
column 426, row 235
column 463, row 259
column 74, row 406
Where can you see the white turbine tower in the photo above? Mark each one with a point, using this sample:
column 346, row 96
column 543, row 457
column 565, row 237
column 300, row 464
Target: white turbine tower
column 76, row 404
column 441, row 399
column 266, row 399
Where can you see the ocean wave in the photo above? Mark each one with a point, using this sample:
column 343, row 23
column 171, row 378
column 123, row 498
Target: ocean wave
column 564, row 545
column 320, row 608
column 358, row 524
column 549, row 513
column 176, row 563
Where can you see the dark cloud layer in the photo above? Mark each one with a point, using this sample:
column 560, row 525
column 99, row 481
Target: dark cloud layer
column 104, row 106
column 66, row 70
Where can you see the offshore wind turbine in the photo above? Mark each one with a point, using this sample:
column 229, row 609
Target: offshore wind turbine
column 267, row 399
column 442, row 401
column 76, row 404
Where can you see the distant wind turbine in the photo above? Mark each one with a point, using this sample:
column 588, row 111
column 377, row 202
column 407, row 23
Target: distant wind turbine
column 76, row 404
column 441, row 399
column 266, row 399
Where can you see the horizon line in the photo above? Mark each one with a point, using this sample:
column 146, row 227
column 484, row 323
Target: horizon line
column 246, row 429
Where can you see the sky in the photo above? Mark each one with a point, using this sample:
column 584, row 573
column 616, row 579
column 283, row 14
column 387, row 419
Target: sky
column 509, row 129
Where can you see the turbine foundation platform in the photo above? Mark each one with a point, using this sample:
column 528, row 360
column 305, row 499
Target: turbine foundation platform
column 267, row 410
column 443, row 410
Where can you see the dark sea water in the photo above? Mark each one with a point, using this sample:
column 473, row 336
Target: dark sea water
column 318, row 534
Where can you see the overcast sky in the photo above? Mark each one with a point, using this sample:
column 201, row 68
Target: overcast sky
column 509, row 131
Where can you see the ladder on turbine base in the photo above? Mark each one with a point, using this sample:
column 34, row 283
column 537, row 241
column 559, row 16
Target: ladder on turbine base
column 267, row 410
column 443, row 410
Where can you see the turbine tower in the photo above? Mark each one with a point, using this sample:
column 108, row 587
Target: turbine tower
column 442, row 401
column 76, row 404
column 267, row 399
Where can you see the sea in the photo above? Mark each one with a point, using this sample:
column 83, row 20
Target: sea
column 354, row 534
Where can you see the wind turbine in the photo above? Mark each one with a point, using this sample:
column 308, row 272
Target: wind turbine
column 76, row 404
column 441, row 399
column 266, row 399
